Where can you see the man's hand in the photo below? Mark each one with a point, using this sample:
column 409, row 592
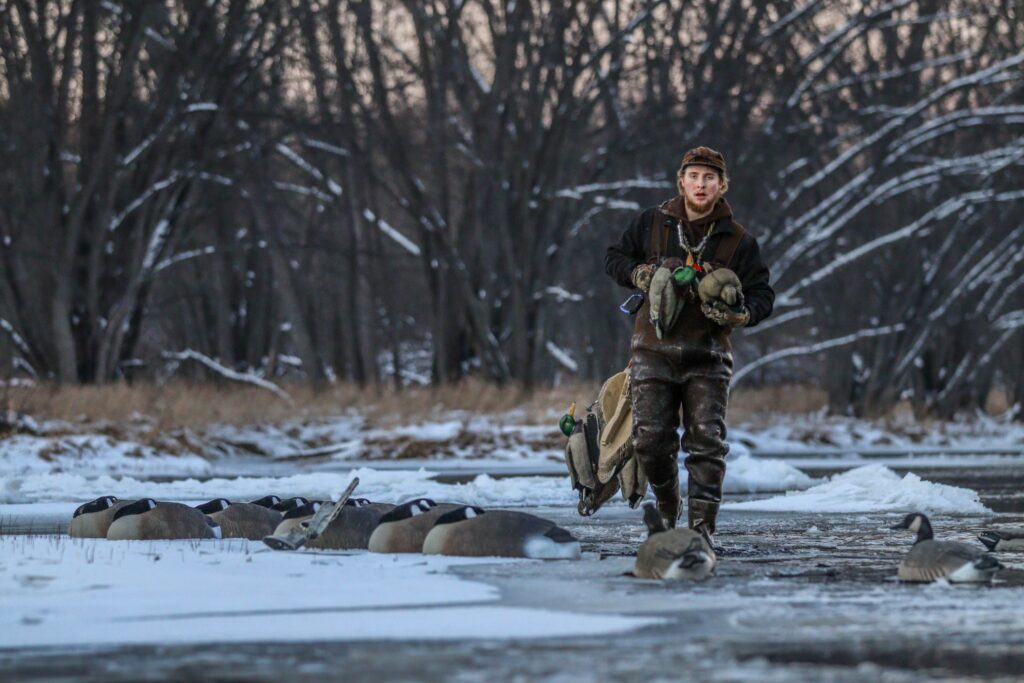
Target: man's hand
column 642, row 276
column 718, row 312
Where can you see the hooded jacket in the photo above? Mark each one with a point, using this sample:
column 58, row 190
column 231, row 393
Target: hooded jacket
column 694, row 338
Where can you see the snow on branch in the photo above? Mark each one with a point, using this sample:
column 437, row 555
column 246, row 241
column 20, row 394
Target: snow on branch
column 16, row 338
column 562, row 295
column 228, row 373
column 326, row 147
column 309, row 168
column 184, row 256
column 810, row 349
column 391, row 232
column 562, row 356
column 944, row 210
column 634, row 183
column 777, row 320
column 158, row 186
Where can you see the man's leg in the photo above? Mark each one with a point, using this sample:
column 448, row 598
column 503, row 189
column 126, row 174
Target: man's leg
column 655, row 420
column 704, row 403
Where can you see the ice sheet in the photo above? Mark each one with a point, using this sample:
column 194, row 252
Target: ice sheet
column 60, row 591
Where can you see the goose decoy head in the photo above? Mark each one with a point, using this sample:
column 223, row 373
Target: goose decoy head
column 991, row 539
column 918, row 523
column 357, row 502
column 290, row 504
column 215, row 505
column 407, row 510
column 306, row 510
column 266, row 501
column 136, row 508
column 98, row 505
column 459, row 515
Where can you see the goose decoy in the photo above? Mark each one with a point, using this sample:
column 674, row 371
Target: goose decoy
column 1007, row 539
column 353, row 527
column 930, row 560
column 475, row 532
column 403, row 529
column 289, row 504
column 266, row 501
column 149, row 520
column 242, row 520
column 673, row 553
column 295, row 517
column 92, row 519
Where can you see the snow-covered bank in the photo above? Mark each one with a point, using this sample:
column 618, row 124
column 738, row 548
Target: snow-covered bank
column 744, row 475
column 820, row 432
column 92, row 455
column 873, row 488
column 62, row 592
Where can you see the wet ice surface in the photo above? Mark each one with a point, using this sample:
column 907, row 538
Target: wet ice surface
column 798, row 596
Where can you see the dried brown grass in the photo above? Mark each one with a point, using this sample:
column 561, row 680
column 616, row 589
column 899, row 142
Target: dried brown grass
column 185, row 404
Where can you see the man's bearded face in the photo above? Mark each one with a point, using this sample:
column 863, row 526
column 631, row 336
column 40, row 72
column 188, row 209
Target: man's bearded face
column 700, row 187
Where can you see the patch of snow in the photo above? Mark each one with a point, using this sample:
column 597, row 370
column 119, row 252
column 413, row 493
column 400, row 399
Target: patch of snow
column 752, row 475
column 872, row 488
column 746, row 475
column 60, row 591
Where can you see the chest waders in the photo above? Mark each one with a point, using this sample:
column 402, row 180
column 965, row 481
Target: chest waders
column 689, row 369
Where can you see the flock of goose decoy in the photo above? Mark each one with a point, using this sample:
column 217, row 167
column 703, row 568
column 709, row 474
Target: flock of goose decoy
column 423, row 526
column 416, row 526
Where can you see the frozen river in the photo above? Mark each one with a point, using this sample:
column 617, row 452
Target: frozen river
column 798, row 596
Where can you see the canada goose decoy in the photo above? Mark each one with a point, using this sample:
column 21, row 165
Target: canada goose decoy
column 930, row 560
column 403, row 529
column 473, row 532
column 289, row 504
column 149, row 520
column 241, row 520
column 673, row 553
column 1003, row 540
column 353, row 527
column 92, row 519
column 296, row 516
column 266, row 501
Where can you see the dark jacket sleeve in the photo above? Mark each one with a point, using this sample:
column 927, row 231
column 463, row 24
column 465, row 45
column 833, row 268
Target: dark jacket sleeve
column 630, row 251
column 757, row 293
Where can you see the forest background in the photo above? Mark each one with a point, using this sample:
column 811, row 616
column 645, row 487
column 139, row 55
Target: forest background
column 397, row 192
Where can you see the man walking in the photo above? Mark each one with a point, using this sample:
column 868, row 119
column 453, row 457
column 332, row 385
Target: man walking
column 702, row 275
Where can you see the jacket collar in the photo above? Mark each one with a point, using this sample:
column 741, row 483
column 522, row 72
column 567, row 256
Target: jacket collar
column 721, row 214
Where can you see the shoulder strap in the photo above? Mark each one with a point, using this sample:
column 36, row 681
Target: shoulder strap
column 727, row 246
column 659, row 235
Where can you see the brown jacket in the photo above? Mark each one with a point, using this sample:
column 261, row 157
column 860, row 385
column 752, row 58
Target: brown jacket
column 694, row 340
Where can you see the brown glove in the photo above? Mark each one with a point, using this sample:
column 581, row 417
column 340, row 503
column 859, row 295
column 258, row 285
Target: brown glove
column 641, row 276
column 718, row 312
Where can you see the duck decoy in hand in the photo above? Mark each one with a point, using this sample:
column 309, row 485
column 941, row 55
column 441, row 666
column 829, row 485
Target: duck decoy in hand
column 930, row 560
column 673, row 553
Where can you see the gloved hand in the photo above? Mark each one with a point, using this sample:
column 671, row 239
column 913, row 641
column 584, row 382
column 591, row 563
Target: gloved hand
column 642, row 276
column 718, row 312
column 721, row 295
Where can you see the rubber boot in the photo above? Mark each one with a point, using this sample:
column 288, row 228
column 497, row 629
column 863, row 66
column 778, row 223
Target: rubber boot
column 669, row 501
column 702, row 512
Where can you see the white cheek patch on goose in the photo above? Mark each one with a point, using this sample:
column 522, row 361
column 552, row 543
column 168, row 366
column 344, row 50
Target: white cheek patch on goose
column 470, row 513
